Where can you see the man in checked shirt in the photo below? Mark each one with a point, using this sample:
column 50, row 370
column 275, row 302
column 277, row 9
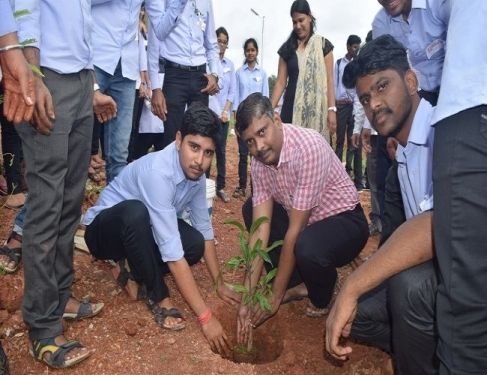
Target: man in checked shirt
column 299, row 183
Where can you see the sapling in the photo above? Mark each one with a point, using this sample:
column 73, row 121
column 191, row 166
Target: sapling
column 253, row 294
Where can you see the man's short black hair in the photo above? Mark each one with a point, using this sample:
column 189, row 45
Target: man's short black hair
column 255, row 106
column 379, row 54
column 222, row 30
column 353, row 39
column 200, row 120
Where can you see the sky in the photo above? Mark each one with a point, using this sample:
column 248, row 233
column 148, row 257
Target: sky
column 335, row 20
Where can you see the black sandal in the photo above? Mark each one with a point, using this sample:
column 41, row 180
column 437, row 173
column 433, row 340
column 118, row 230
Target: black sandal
column 161, row 313
column 57, row 352
column 124, row 276
column 86, row 310
column 13, row 255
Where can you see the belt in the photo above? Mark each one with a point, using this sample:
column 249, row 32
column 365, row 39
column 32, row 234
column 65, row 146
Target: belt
column 343, row 102
column 170, row 64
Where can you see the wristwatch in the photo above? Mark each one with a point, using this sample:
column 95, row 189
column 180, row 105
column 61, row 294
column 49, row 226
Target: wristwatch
column 334, row 109
column 96, row 87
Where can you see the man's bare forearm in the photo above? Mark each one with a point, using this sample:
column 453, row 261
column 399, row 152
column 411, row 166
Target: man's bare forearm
column 32, row 55
column 187, row 285
column 411, row 244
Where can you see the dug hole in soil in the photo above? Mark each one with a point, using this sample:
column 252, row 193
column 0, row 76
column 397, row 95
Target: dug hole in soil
column 267, row 338
column 125, row 339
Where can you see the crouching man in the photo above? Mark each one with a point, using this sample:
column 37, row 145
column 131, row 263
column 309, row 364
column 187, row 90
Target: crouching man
column 137, row 217
column 299, row 183
column 389, row 301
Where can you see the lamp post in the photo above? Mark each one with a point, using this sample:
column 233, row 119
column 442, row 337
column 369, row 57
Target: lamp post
column 262, row 37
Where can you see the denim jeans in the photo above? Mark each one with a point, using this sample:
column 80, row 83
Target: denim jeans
column 116, row 132
column 19, row 221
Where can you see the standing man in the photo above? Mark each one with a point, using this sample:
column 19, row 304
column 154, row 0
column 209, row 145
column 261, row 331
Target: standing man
column 420, row 25
column 14, row 66
column 187, row 47
column 299, row 183
column 221, row 104
column 459, row 180
column 56, row 152
column 116, row 60
column 344, row 108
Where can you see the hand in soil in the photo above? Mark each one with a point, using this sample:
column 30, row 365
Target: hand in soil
column 228, row 295
column 339, row 324
column 216, row 337
column 260, row 315
column 243, row 324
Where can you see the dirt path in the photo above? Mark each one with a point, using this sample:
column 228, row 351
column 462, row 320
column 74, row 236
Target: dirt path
column 127, row 341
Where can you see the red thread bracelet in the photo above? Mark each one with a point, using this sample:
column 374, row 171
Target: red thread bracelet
column 205, row 317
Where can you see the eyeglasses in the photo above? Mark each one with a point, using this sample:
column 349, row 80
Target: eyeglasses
column 224, row 42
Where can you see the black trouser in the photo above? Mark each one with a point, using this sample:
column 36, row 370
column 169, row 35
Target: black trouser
column 243, row 157
column 460, row 200
column 320, row 248
column 12, row 154
column 393, row 215
column 124, row 231
column 134, row 134
column 221, row 156
column 144, row 141
column 345, row 127
column 383, row 165
column 181, row 88
column 399, row 317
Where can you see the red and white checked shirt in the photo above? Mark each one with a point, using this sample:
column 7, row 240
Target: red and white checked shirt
column 309, row 176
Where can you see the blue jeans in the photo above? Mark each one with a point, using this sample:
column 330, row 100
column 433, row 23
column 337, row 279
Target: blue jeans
column 19, row 221
column 116, row 133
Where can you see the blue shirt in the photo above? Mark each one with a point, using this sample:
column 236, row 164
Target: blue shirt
column 116, row 33
column 158, row 181
column 250, row 81
column 415, row 163
column 191, row 39
column 229, row 82
column 62, row 31
column 464, row 81
column 8, row 23
column 341, row 92
column 424, row 36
